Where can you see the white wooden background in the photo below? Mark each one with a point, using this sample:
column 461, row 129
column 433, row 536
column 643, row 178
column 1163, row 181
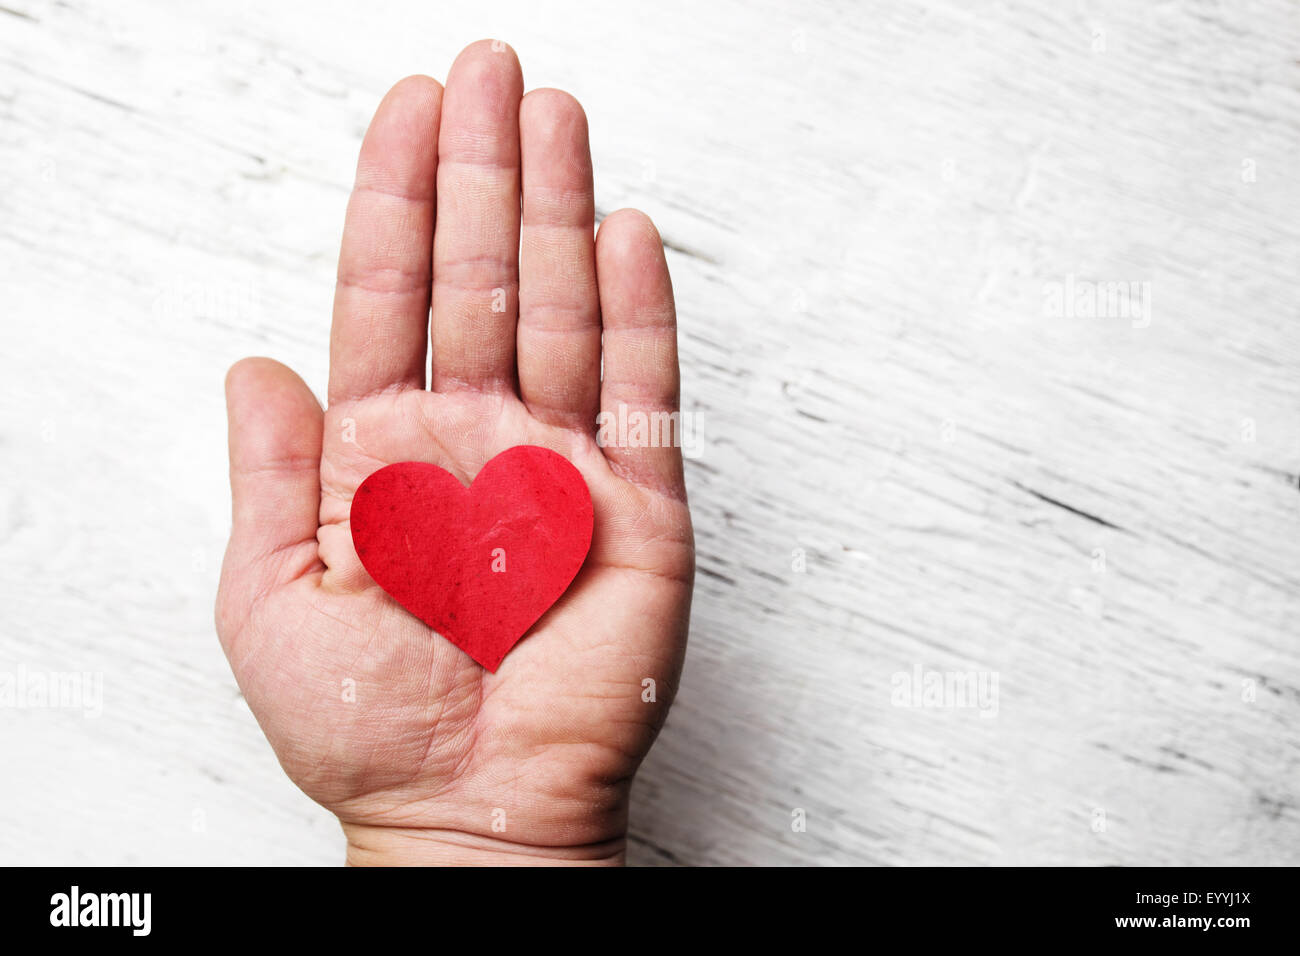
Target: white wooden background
column 867, row 207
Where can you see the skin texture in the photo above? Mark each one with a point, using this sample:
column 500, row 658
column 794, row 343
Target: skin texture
column 466, row 198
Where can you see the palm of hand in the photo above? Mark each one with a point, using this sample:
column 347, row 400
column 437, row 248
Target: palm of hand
column 374, row 715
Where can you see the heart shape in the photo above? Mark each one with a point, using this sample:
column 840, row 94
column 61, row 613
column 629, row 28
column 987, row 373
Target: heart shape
column 480, row 564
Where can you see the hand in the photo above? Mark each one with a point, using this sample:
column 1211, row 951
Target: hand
column 422, row 754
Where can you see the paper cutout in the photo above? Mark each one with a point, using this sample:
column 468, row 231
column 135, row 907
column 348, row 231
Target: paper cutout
column 480, row 565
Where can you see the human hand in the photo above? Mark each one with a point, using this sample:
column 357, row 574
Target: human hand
column 423, row 755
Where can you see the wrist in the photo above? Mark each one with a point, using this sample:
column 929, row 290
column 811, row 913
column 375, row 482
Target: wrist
column 414, row 846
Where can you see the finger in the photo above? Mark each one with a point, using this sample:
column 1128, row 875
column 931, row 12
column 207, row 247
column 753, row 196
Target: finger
column 559, row 311
column 640, row 383
column 476, row 244
column 381, row 305
column 275, row 444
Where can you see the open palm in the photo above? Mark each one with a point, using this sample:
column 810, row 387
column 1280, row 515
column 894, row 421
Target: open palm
column 473, row 207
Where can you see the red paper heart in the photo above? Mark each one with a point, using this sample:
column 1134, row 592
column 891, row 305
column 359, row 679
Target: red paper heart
column 480, row 564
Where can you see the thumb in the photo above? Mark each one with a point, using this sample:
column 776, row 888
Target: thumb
column 275, row 448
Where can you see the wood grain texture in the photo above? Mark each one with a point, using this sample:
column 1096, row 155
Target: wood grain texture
column 869, row 210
